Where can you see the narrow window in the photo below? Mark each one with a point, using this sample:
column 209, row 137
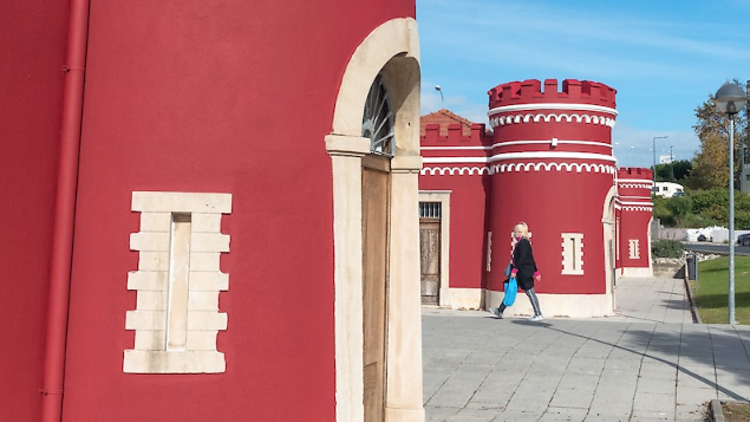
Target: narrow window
column 633, row 249
column 572, row 253
column 177, row 290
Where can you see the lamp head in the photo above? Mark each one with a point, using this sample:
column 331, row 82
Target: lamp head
column 437, row 88
column 730, row 98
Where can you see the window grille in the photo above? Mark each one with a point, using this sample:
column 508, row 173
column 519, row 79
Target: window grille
column 378, row 121
column 430, row 209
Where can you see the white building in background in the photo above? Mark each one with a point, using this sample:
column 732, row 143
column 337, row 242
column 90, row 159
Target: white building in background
column 668, row 189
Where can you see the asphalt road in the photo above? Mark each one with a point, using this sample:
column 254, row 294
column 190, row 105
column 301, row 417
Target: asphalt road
column 720, row 249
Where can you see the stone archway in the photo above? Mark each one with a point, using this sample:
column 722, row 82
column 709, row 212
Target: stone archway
column 392, row 52
column 608, row 225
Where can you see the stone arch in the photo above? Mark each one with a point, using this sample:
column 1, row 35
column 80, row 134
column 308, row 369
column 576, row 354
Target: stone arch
column 391, row 50
column 610, row 247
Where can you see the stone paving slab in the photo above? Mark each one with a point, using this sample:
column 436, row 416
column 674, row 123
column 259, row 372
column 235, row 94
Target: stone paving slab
column 648, row 362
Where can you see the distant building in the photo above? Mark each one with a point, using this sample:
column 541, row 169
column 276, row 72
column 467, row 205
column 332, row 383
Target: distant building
column 547, row 162
column 668, row 189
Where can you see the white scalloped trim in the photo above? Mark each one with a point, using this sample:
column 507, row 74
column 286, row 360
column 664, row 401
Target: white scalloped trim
column 536, row 118
column 518, row 167
column 649, row 209
column 634, row 185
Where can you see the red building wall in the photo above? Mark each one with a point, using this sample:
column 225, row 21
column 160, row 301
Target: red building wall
column 181, row 96
column 552, row 168
column 33, row 35
column 470, row 186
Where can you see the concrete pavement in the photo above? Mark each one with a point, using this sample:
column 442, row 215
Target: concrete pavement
column 647, row 363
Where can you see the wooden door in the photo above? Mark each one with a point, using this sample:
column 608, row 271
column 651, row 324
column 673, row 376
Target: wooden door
column 375, row 206
column 429, row 251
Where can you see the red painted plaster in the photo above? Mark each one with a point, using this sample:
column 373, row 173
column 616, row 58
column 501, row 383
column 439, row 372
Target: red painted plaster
column 33, row 35
column 235, row 98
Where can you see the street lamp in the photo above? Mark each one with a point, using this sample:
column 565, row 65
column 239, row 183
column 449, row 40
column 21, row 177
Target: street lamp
column 440, row 90
column 730, row 99
column 654, row 151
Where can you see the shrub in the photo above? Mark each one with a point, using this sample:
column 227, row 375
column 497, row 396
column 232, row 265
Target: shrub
column 666, row 249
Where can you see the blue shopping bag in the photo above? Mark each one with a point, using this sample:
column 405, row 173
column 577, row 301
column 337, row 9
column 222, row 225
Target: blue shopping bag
column 511, row 288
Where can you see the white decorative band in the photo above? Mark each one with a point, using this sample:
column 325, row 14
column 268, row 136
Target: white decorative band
column 649, row 203
column 452, row 171
column 648, row 182
column 562, row 155
column 649, row 209
column 556, row 141
column 520, row 156
column 634, row 185
column 552, row 106
column 635, row 198
column 529, row 118
column 519, row 167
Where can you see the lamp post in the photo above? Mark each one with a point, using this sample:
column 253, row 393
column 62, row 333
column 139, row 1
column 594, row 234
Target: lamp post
column 730, row 99
column 440, row 90
column 654, row 151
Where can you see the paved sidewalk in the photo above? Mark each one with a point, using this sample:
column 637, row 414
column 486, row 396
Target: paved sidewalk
column 647, row 363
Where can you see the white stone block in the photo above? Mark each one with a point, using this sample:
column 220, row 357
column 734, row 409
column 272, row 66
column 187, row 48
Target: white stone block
column 206, row 321
column 148, row 280
column 182, row 202
column 156, row 222
column 153, row 261
column 150, row 340
column 154, row 362
column 149, row 242
column 201, row 340
column 208, row 281
column 151, row 301
column 206, row 223
column 146, row 320
column 203, row 301
column 209, row 242
column 205, row 261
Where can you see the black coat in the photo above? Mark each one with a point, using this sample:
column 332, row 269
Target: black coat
column 523, row 261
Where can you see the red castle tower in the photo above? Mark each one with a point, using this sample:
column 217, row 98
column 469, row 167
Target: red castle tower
column 634, row 211
column 553, row 168
column 549, row 163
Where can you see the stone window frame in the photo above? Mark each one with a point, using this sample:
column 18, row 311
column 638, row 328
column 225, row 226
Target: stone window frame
column 634, row 250
column 572, row 253
column 205, row 281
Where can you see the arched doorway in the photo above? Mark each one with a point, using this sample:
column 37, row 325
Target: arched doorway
column 375, row 193
column 377, row 125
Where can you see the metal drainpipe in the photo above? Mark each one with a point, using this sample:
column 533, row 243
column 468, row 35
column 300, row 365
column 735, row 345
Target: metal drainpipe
column 62, row 236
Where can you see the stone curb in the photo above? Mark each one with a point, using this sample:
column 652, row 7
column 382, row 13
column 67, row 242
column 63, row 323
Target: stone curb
column 693, row 307
column 715, row 412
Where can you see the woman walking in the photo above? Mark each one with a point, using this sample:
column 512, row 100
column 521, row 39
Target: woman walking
column 524, row 270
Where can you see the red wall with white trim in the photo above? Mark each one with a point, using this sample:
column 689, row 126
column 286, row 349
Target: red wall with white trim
column 233, row 97
column 468, row 199
column 33, row 35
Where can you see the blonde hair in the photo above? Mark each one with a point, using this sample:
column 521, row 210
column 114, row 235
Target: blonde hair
column 522, row 228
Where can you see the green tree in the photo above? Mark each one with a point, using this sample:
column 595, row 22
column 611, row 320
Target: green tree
column 681, row 169
column 710, row 166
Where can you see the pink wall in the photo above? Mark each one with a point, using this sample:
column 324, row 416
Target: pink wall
column 33, row 35
column 234, row 97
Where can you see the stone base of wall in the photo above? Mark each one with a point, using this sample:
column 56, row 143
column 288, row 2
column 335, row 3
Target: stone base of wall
column 464, row 298
column 637, row 272
column 552, row 305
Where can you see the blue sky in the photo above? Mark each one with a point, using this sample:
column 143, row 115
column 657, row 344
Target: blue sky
column 664, row 58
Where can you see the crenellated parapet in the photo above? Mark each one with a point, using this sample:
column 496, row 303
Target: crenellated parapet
column 573, row 92
column 455, row 137
column 634, row 189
